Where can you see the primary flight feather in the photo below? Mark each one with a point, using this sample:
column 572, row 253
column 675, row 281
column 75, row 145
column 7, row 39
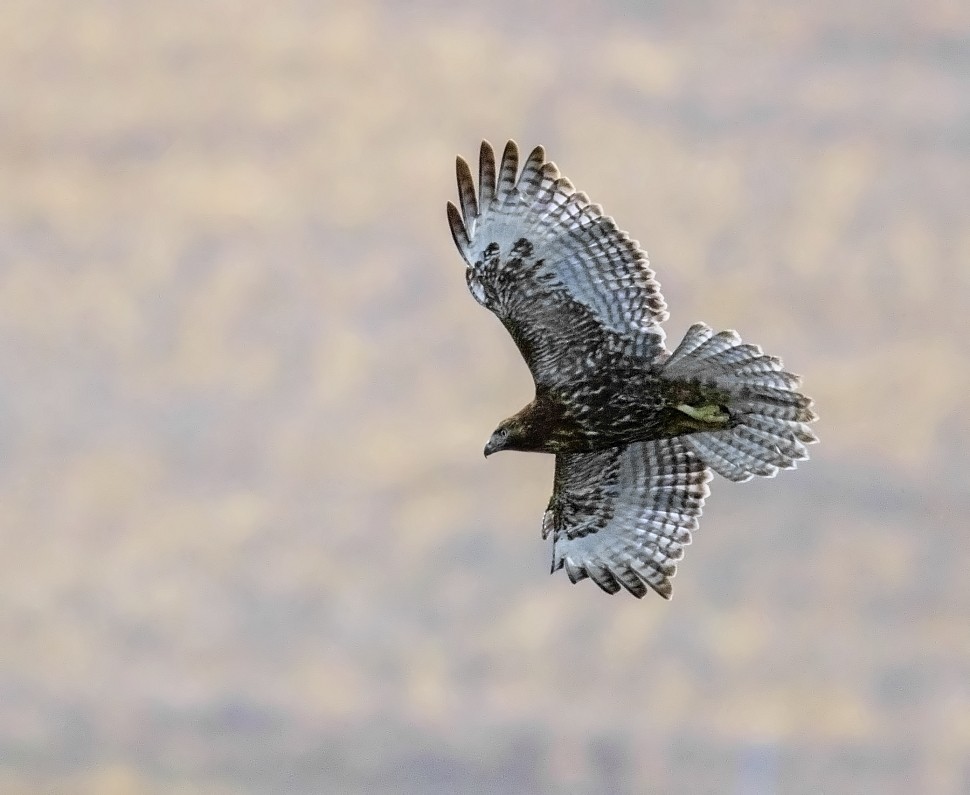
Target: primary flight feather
column 635, row 429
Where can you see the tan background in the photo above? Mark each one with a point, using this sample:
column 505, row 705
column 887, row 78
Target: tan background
column 249, row 542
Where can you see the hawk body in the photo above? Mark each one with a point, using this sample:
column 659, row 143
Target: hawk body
column 625, row 405
column 635, row 429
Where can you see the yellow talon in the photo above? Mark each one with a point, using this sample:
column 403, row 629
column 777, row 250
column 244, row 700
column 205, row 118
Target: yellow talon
column 712, row 413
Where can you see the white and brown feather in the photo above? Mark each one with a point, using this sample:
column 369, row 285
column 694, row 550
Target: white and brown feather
column 581, row 302
column 623, row 516
column 546, row 261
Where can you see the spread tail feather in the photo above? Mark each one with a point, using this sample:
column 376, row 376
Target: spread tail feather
column 768, row 427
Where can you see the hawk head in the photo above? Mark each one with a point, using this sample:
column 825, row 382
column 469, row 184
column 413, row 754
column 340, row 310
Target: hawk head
column 521, row 433
column 508, row 433
column 538, row 428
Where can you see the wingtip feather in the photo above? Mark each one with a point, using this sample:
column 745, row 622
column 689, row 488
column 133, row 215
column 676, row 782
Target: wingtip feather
column 458, row 231
column 486, row 175
column 466, row 190
column 508, row 169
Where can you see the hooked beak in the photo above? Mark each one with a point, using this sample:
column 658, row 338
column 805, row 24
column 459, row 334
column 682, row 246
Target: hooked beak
column 494, row 445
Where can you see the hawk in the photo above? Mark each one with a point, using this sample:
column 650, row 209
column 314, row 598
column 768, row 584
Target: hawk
column 636, row 429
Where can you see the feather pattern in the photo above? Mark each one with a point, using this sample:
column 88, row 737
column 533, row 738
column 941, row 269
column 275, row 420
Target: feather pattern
column 636, row 430
column 623, row 516
column 769, row 427
column 534, row 246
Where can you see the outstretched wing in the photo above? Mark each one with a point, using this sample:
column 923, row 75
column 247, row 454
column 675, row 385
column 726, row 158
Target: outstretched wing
column 623, row 516
column 572, row 289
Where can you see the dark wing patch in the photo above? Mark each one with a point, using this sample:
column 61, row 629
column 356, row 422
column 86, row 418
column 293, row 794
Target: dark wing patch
column 545, row 260
column 623, row 516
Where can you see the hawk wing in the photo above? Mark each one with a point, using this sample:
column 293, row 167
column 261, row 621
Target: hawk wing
column 623, row 516
column 570, row 286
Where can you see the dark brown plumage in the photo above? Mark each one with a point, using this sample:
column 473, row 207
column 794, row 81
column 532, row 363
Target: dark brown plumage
column 634, row 428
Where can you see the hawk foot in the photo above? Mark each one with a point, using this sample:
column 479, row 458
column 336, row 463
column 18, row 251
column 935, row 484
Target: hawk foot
column 711, row 414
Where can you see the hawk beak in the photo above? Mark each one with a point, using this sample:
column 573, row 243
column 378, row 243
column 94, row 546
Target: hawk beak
column 493, row 446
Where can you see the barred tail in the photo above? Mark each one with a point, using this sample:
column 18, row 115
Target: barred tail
column 768, row 427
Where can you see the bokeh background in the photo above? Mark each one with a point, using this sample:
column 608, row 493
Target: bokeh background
column 248, row 541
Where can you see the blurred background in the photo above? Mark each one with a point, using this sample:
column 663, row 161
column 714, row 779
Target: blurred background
column 248, row 541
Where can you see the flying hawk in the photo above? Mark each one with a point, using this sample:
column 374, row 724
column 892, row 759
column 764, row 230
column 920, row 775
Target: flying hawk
column 635, row 429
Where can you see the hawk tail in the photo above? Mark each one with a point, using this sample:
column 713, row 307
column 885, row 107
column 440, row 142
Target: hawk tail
column 766, row 427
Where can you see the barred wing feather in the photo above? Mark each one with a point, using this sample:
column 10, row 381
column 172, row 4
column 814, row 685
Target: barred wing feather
column 623, row 516
column 566, row 282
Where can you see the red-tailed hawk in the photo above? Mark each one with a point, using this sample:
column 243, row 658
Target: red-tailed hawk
column 635, row 429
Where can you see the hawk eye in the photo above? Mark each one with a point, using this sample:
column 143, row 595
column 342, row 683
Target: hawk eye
column 504, row 433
